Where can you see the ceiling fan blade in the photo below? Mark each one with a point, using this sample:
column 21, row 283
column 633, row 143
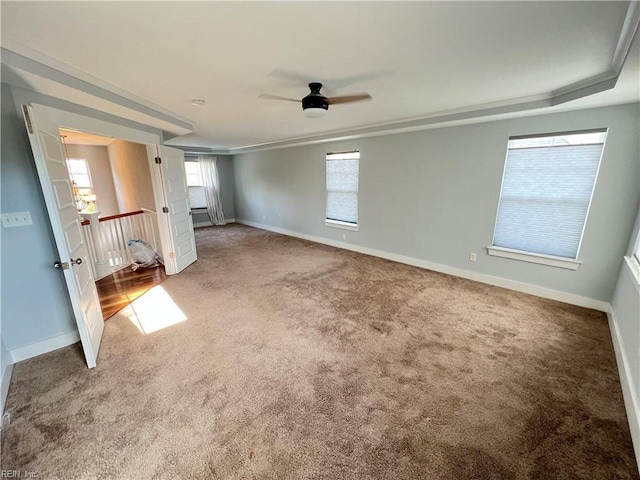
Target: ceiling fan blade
column 268, row 96
column 348, row 98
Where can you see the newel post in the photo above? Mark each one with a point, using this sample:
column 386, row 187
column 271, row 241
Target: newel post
column 100, row 260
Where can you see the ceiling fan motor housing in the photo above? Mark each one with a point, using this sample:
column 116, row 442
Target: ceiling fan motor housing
column 315, row 99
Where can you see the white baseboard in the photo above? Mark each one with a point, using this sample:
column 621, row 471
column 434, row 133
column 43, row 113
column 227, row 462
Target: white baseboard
column 202, row 224
column 536, row 290
column 209, row 224
column 44, row 346
column 4, row 387
column 631, row 402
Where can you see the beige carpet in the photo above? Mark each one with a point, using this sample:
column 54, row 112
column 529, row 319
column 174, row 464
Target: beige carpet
column 300, row 361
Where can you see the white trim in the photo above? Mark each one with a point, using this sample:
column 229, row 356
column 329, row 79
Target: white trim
column 29, row 60
column 509, row 108
column 4, row 388
column 549, row 260
column 75, row 121
column 342, row 225
column 536, row 290
column 209, row 224
column 633, row 270
column 45, row 346
column 202, row 224
column 631, row 402
column 625, row 39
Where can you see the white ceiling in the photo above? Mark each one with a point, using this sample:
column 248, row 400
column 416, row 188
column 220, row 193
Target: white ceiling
column 417, row 59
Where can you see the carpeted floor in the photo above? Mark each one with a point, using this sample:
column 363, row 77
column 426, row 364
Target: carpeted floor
column 301, row 361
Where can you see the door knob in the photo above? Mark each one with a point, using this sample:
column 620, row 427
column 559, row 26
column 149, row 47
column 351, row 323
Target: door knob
column 77, row 261
column 61, row 265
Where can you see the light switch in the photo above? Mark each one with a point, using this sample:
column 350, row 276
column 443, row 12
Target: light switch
column 16, row 219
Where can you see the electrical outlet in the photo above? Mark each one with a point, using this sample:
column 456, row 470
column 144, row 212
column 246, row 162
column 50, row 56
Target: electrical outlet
column 344, row 236
column 264, row 217
column 472, row 257
column 16, row 219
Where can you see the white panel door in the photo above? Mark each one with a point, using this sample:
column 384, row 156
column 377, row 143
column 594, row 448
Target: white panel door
column 73, row 257
column 175, row 197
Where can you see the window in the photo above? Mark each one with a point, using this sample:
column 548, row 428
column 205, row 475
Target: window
column 546, row 192
column 342, row 190
column 636, row 249
column 195, row 184
column 80, row 174
column 194, row 174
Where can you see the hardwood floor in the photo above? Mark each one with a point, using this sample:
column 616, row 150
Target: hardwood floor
column 119, row 289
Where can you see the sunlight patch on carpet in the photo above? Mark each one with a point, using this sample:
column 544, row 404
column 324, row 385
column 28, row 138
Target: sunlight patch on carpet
column 154, row 311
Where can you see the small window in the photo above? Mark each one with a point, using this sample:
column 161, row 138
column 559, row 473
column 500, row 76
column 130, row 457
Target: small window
column 80, row 174
column 547, row 187
column 195, row 185
column 342, row 190
column 194, row 174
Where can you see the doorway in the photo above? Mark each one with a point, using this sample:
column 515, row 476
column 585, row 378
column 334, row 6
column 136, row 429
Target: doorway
column 114, row 193
column 166, row 166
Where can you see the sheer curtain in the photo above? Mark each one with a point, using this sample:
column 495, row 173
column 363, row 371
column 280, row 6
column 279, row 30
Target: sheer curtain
column 212, row 189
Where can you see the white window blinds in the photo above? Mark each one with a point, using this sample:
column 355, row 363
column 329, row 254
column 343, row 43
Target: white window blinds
column 546, row 192
column 342, row 187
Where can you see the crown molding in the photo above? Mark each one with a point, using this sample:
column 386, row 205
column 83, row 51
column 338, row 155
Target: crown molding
column 487, row 112
column 22, row 58
column 34, row 62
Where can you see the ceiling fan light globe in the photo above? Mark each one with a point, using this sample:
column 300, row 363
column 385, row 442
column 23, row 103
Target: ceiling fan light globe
column 315, row 112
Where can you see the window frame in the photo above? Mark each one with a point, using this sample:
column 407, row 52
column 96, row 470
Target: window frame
column 199, row 173
column 332, row 223
column 541, row 258
column 191, row 188
column 88, row 174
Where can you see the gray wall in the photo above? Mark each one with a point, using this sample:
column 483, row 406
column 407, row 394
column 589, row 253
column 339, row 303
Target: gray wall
column 626, row 309
column 101, row 177
column 34, row 299
column 131, row 176
column 432, row 195
column 227, row 184
column 5, row 374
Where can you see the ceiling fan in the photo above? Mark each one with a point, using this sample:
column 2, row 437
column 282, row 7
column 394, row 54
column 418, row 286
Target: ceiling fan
column 315, row 104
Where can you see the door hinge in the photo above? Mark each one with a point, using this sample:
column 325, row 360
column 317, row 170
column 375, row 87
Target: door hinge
column 158, row 160
column 27, row 118
column 165, row 209
column 172, row 255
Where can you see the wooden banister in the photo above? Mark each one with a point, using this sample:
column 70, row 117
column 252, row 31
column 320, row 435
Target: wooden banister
column 121, row 215
column 113, row 217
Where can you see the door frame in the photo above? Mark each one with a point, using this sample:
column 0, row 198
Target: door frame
column 73, row 121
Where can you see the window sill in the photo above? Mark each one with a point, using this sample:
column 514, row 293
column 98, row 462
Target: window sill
column 343, row 225
column 539, row 258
